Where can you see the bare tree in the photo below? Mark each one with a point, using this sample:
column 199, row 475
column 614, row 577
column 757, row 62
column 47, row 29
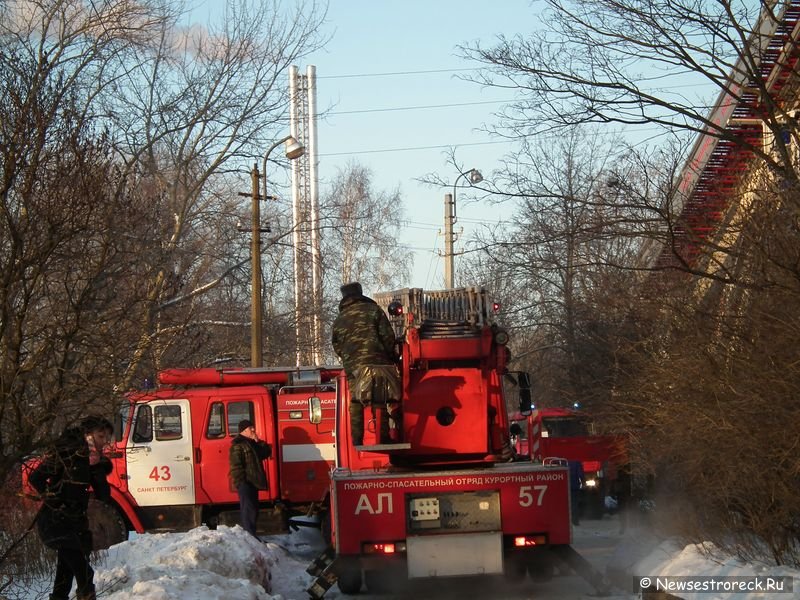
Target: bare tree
column 553, row 266
column 362, row 226
column 118, row 203
column 192, row 104
column 710, row 369
column 610, row 61
column 118, row 242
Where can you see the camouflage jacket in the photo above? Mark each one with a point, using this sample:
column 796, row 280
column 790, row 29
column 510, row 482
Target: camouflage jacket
column 362, row 334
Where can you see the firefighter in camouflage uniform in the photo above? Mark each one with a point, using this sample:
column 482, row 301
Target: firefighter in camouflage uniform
column 364, row 340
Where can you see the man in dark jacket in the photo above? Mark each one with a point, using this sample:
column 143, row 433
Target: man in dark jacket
column 247, row 473
column 576, row 483
column 364, row 340
column 63, row 479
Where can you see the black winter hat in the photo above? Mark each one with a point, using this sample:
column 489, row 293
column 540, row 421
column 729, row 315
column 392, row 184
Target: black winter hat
column 244, row 424
column 351, row 289
column 95, row 422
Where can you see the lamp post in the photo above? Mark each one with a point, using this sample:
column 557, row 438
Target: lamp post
column 474, row 177
column 294, row 149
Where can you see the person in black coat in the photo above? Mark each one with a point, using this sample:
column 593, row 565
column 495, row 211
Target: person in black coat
column 62, row 479
column 576, row 483
column 247, row 455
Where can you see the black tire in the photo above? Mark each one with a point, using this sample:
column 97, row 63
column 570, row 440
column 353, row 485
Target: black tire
column 541, row 570
column 106, row 524
column 325, row 527
column 514, row 569
column 376, row 584
column 386, row 580
column 349, row 579
column 541, row 564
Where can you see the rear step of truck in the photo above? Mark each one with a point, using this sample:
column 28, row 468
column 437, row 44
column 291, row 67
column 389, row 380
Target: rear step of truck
column 323, row 569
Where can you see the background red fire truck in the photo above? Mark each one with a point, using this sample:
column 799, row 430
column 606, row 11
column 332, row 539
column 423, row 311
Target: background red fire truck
column 444, row 500
column 569, row 434
column 170, row 458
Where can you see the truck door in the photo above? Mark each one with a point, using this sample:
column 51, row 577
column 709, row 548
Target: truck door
column 221, row 425
column 159, row 454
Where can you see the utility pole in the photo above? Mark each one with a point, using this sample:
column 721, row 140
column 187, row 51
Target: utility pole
column 255, row 257
column 474, row 177
column 449, row 240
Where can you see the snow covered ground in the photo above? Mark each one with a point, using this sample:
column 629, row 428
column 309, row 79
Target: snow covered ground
column 229, row 564
column 670, row 559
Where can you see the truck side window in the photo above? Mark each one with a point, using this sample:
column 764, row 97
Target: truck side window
column 216, row 422
column 168, row 423
column 143, row 430
column 238, row 411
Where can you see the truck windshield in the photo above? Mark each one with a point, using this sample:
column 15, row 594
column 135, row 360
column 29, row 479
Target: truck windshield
column 560, row 427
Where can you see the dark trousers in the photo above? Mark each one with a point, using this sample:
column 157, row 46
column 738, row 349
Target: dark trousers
column 248, row 506
column 72, row 563
column 575, row 501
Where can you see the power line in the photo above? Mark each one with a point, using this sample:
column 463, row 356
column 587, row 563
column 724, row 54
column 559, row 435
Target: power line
column 394, row 73
column 510, row 140
column 421, row 107
column 410, row 148
column 421, row 228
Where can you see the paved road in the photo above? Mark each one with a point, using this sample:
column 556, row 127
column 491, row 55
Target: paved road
column 594, row 540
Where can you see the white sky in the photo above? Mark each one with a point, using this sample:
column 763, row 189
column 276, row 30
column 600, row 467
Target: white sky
column 401, row 145
column 389, row 79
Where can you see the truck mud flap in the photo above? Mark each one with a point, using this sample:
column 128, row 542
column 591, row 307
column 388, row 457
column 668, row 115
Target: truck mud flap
column 583, row 568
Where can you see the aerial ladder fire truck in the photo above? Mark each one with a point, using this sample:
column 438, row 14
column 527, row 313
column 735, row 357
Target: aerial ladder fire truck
column 441, row 498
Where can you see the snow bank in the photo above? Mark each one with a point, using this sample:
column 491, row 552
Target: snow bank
column 642, row 554
column 707, row 560
column 225, row 564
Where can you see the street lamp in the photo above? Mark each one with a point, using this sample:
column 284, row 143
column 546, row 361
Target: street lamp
column 293, row 150
column 474, row 176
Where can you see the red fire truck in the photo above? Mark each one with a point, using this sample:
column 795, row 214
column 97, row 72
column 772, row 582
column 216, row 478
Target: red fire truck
column 569, row 434
column 170, row 457
column 443, row 500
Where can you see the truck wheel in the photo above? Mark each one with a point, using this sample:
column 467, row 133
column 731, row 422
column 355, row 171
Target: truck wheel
column 542, row 570
column 325, row 527
column 374, row 582
column 386, row 580
column 514, row 569
column 349, row 579
column 106, row 524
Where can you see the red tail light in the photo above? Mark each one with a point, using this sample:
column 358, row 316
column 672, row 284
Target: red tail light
column 525, row 541
column 383, row 547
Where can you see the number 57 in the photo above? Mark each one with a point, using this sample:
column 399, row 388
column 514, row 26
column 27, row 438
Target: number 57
column 526, row 497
